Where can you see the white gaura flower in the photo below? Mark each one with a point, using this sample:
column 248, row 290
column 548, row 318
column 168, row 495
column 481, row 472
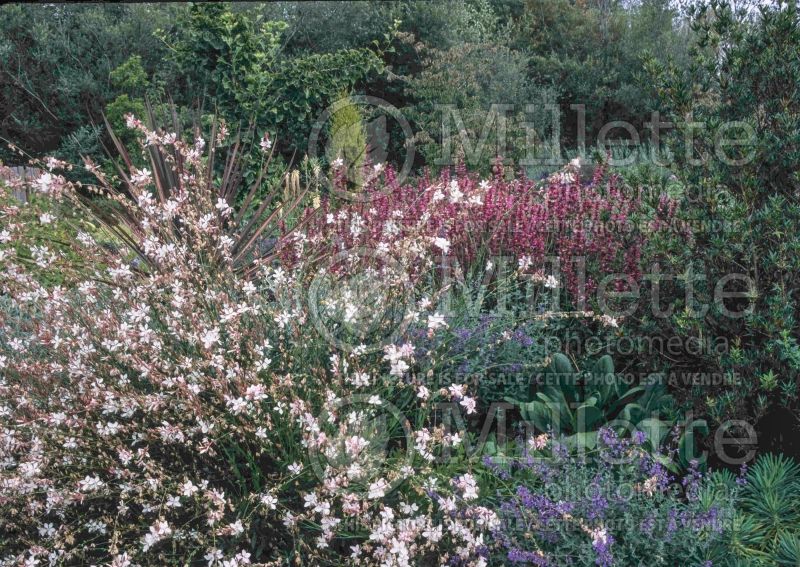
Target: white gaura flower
column 650, row 485
column 269, row 501
column 188, row 489
column 551, row 282
column 377, row 489
column 360, row 379
column 436, row 321
column 476, row 200
column 468, row 486
column 236, row 528
column 538, row 442
column 456, row 390
column 210, row 338
column 433, row 533
column 265, row 143
column 609, row 321
column 122, row 560
column 310, row 500
column 289, row 520
column 45, row 182
column 213, row 556
column 350, row 313
column 46, row 218
column 91, row 484
column 354, row 445
column 158, row 531
column 141, row 177
column 283, row 318
column 107, row 429
column 442, row 244
column 599, row 536
column 223, row 207
column 468, row 404
column 399, row 368
column 455, row 192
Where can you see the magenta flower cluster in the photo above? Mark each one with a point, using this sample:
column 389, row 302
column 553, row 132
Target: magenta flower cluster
column 566, row 216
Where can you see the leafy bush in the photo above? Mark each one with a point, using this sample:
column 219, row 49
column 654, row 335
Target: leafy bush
column 740, row 200
column 237, row 57
column 592, row 53
column 56, row 61
column 454, row 107
column 348, row 141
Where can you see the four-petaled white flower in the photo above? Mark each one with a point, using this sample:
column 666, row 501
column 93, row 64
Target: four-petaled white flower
column 442, row 244
column 436, row 321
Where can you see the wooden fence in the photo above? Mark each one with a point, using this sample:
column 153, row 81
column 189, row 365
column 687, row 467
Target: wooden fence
column 19, row 173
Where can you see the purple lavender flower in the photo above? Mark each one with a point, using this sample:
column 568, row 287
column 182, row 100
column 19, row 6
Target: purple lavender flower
column 741, row 479
column 601, row 543
column 597, row 504
column 516, row 555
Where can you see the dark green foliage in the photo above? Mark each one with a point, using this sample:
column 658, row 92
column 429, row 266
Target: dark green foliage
column 592, row 52
column 56, row 61
column 741, row 201
column 236, row 59
column 328, row 26
column 455, row 116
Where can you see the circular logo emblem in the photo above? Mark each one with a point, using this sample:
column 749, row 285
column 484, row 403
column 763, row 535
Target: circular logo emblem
column 360, row 165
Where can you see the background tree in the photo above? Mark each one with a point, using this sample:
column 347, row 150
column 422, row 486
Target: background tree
column 742, row 200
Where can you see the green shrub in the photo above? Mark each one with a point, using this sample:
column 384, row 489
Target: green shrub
column 347, row 139
column 743, row 211
column 236, row 58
